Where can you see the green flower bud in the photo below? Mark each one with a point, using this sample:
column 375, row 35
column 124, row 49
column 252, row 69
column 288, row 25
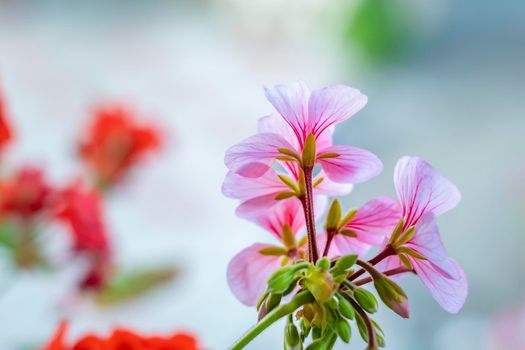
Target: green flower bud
column 393, row 296
column 345, row 308
column 345, row 262
column 273, row 301
column 323, row 263
column 321, row 284
column 366, row 299
column 291, row 335
column 305, row 327
column 317, row 333
column 343, row 330
column 316, row 345
column 281, row 279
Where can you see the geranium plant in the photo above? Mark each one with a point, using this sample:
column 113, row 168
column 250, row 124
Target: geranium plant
column 318, row 282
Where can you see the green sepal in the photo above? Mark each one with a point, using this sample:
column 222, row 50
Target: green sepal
column 333, row 217
column 308, row 156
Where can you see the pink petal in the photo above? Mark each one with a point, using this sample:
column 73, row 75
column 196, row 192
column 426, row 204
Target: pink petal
column 391, row 263
column 422, row 189
column 450, row 293
column 255, row 155
column 240, row 187
column 249, row 271
column 333, row 104
column 321, row 244
column 427, row 242
column 375, row 220
column 354, row 165
column 347, row 245
column 291, row 101
column 325, row 139
column 275, row 124
column 330, row 188
column 286, row 212
column 257, row 206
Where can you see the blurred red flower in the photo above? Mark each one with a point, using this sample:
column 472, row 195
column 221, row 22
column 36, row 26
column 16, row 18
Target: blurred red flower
column 5, row 130
column 81, row 209
column 25, row 194
column 123, row 339
column 115, row 143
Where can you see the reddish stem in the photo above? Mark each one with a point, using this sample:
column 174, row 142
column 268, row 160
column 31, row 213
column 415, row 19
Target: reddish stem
column 329, row 237
column 391, row 272
column 385, row 253
column 308, row 206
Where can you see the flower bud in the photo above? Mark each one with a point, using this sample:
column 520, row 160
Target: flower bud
column 334, row 216
column 309, row 151
column 323, row 263
column 317, row 333
column 345, row 262
column 343, row 330
column 291, row 335
column 321, row 284
column 281, row 279
column 316, row 345
column 345, row 308
column 305, row 327
column 273, row 301
column 393, row 296
column 366, row 299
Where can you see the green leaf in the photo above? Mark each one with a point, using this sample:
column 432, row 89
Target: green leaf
column 128, row 285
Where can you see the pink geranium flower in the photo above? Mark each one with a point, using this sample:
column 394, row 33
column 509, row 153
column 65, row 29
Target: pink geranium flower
column 424, row 194
column 249, row 270
column 305, row 113
column 369, row 227
column 262, row 193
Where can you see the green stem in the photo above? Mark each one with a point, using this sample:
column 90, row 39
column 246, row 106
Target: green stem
column 273, row 316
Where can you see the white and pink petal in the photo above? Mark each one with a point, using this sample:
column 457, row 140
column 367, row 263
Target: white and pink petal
column 450, row 293
column 422, row 189
column 375, row 220
column 331, row 105
column 249, row 271
column 254, row 156
column 351, row 165
column 291, row 101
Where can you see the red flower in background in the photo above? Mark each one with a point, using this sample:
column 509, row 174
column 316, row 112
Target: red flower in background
column 123, row 339
column 81, row 209
column 115, row 143
column 25, row 194
column 5, row 130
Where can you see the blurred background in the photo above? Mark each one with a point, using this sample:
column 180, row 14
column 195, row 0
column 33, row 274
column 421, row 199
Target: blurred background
column 445, row 81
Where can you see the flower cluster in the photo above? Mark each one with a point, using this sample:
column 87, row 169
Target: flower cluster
column 122, row 339
column 30, row 203
column 282, row 177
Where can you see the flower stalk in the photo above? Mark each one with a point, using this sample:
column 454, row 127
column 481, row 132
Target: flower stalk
column 308, row 206
column 276, row 314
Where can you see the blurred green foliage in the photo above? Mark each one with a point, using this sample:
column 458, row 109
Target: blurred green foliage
column 380, row 29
